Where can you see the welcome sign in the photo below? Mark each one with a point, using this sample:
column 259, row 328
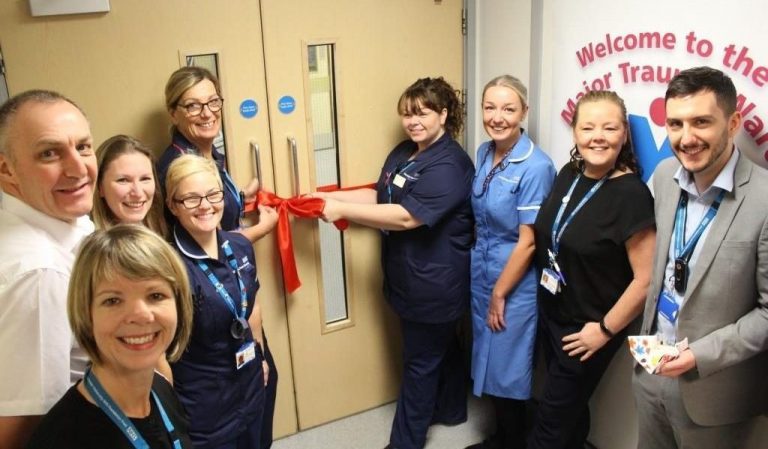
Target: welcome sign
column 635, row 48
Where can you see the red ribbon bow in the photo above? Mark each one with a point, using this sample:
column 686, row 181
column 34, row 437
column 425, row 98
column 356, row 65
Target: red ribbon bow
column 300, row 206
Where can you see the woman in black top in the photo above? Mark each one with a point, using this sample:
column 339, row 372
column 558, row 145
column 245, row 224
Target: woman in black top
column 594, row 245
column 128, row 305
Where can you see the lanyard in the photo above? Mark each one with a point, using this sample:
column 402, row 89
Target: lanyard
column 108, row 406
column 399, row 168
column 229, row 184
column 684, row 250
column 557, row 230
column 500, row 166
column 220, row 287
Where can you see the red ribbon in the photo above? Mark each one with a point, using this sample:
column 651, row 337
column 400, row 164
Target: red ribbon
column 300, row 206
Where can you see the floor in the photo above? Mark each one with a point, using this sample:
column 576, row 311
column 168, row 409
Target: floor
column 370, row 430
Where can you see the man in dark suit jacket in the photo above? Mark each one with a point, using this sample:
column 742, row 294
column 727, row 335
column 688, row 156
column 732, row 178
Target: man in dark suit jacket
column 712, row 291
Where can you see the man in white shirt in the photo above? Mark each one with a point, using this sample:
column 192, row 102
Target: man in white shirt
column 47, row 175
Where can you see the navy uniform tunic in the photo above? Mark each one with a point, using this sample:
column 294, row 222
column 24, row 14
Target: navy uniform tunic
column 426, row 281
column 222, row 401
column 426, row 269
column 230, row 221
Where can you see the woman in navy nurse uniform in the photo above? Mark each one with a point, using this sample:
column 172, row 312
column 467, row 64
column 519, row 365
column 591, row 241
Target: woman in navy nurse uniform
column 221, row 376
column 194, row 102
column 513, row 178
column 422, row 205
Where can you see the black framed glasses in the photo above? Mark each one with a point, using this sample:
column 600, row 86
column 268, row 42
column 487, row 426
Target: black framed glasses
column 194, row 201
column 196, row 108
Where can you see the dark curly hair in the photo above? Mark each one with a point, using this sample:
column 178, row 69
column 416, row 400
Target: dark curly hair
column 626, row 159
column 435, row 94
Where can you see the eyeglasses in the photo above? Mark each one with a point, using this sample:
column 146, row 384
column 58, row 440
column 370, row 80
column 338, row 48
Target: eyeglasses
column 196, row 108
column 194, row 201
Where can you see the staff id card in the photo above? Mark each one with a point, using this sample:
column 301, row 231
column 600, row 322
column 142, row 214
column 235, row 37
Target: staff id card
column 245, row 355
column 550, row 280
column 399, row 180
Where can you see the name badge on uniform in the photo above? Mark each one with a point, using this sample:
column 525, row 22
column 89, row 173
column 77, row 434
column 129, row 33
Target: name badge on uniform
column 399, row 180
column 550, row 280
column 245, row 354
column 668, row 308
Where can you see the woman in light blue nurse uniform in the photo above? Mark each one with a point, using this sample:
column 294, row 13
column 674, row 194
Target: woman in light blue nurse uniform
column 512, row 179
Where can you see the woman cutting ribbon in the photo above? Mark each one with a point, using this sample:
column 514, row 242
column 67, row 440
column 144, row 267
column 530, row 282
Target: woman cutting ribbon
column 221, row 377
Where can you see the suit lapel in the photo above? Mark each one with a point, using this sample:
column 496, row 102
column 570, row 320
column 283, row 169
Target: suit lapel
column 720, row 225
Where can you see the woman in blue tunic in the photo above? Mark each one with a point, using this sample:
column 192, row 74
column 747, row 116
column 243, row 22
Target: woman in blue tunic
column 221, row 376
column 512, row 179
column 421, row 204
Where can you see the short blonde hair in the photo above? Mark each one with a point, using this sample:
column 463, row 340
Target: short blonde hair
column 111, row 149
column 135, row 252
column 183, row 167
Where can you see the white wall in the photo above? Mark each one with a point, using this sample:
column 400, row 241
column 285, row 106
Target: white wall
column 498, row 42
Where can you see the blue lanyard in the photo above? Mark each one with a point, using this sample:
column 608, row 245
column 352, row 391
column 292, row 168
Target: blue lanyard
column 220, row 287
column 503, row 163
column 230, row 185
column 557, row 230
column 390, row 177
column 108, row 406
column 685, row 249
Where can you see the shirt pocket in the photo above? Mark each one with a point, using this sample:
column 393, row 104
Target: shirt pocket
column 503, row 201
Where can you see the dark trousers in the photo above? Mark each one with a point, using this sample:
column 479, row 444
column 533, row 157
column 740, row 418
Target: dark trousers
column 270, row 393
column 562, row 419
column 510, row 422
column 434, row 387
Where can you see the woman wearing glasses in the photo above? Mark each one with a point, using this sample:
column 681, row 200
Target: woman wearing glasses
column 513, row 178
column 221, row 376
column 193, row 100
column 422, row 205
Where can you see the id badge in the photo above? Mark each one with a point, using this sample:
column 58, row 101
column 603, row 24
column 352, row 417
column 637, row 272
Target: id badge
column 668, row 308
column 550, row 280
column 245, row 354
column 399, row 180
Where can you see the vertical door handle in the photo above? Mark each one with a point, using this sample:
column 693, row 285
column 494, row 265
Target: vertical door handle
column 256, row 152
column 295, row 158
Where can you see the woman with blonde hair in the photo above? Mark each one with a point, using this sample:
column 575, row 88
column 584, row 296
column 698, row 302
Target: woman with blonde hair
column 221, row 377
column 129, row 304
column 512, row 179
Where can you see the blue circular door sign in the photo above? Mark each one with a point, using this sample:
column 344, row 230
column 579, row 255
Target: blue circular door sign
column 286, row 104
column 249, row 108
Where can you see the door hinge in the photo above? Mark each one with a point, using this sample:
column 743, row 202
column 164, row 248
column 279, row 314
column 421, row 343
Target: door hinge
column 464, row 101
column 464, row 21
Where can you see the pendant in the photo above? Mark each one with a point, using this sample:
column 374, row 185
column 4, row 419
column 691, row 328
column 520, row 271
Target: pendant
column 238, row 328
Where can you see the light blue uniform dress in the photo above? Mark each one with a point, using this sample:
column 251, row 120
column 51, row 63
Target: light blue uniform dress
column 502, row 362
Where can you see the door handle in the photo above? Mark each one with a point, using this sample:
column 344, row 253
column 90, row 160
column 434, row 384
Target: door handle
column 295, row 158
column 256, row 152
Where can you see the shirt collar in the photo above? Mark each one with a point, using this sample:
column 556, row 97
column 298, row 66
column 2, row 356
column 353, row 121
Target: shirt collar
column 67, row 235
column 183, row 144
column 188, row 246
column 522, row 150
column 433, row 149
column 723, row 181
